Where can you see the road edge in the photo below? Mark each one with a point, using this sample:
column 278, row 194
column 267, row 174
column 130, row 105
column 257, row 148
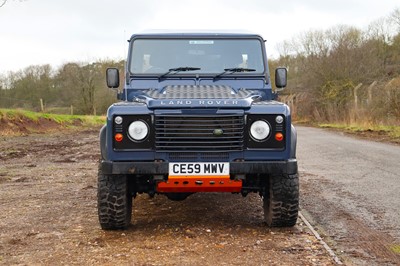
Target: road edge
column 319, row 238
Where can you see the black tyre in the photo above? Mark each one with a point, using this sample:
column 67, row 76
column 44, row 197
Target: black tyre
column 114, row 201
column 281, row 200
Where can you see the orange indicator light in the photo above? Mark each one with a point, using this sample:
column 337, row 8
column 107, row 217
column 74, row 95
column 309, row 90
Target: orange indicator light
column 279, row 136
column 118, row 137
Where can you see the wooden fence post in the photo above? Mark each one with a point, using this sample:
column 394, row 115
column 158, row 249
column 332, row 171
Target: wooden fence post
column 41, row 105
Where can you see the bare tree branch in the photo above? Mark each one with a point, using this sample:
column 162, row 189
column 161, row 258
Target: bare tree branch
column 395, row 17
column 4, row 2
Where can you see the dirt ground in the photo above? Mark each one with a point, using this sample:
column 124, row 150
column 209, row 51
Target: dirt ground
column 48, row 216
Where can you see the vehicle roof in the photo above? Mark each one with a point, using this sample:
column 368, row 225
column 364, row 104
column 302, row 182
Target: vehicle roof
column 196, row 33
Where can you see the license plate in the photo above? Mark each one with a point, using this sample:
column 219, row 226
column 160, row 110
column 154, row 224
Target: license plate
column 199, row 169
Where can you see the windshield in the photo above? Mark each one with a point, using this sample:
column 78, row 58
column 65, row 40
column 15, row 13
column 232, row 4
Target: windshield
column 208, row 56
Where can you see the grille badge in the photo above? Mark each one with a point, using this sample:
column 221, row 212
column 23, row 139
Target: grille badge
column 218, row 132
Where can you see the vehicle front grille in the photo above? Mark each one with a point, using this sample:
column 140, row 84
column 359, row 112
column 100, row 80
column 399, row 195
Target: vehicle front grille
column 199, row 133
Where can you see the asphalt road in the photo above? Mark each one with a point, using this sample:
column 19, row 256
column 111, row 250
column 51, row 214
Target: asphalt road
column 350, row 189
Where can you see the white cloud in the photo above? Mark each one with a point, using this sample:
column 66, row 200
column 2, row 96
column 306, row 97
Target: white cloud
column 54, row 32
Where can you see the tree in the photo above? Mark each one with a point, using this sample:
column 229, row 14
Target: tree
column 395, row 18
column 83, row 86
column 29, row 85
column 79, row 81
column 329, row 65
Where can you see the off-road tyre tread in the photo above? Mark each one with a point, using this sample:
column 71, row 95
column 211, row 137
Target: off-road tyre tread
column 114, row 202
column 281, row 200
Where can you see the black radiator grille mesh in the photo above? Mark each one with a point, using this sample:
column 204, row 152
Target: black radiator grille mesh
column 199, row 133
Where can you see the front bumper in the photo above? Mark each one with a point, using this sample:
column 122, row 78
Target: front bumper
column 236, row 168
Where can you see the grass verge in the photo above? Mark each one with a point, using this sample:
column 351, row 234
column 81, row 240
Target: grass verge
column 377, row 132
column 22, row 122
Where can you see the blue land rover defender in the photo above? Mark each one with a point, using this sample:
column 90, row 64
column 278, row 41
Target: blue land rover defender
column 197, row 114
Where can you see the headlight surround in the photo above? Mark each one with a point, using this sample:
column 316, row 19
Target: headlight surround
column 260, row 130
column 138, row 130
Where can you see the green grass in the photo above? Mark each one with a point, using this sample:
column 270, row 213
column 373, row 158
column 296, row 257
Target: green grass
column 395, row 249
column 17, row 114
column 65, row 120
column 393, row 132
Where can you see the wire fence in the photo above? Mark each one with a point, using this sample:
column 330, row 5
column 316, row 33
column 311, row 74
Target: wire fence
column 35, row 105
column 377, row 102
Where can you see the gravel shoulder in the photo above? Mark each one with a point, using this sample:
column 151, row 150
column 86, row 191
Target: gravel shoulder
column 350, row 190
column 48, row 216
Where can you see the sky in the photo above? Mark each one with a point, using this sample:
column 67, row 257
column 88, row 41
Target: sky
column 36, row 32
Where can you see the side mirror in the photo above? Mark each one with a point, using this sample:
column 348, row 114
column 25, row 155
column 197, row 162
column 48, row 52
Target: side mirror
column 112, row 76
column 281, row 77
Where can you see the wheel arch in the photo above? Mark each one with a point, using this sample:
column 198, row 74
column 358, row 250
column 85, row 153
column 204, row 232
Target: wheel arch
column 103, row 142
column 293, row 142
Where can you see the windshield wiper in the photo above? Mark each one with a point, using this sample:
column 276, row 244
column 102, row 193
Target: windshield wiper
column 178, row 69
column 234, row 70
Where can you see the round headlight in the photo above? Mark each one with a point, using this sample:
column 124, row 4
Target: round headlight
column 138, row 130
column 260, row 130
